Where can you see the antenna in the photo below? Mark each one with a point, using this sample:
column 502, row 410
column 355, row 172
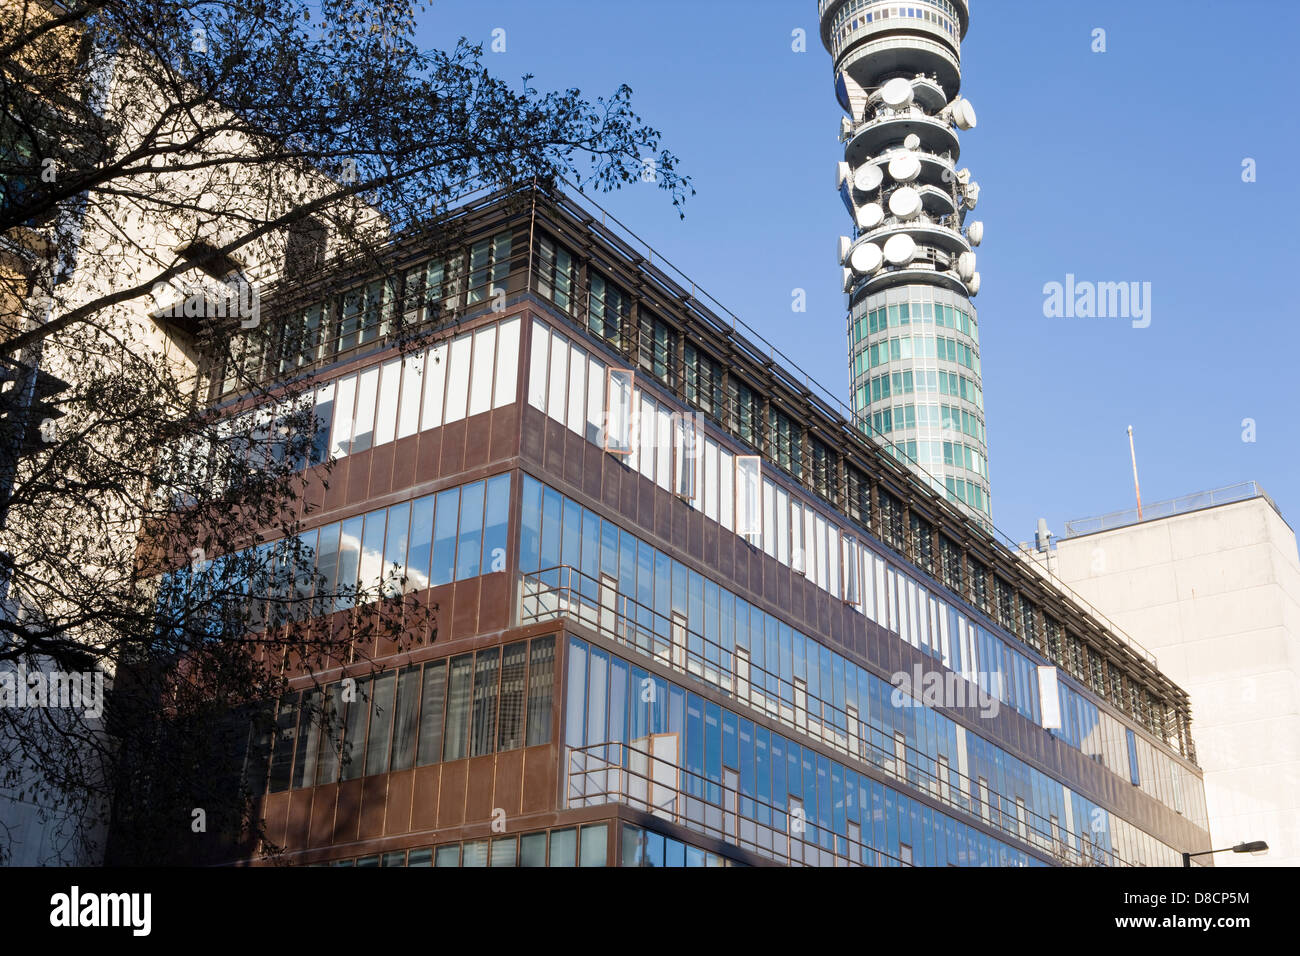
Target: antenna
column 1136, row 488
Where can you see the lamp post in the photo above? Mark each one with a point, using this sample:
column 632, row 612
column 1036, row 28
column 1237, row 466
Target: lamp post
column 1258, row 846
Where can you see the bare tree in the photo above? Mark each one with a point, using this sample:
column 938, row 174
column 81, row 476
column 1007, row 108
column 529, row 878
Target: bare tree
column 157, row 154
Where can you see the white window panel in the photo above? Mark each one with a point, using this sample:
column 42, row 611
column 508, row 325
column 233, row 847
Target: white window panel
column 923, row 616
column 390, row 382
column 869, row 584
column 749, row 484
column 577, row 390
column 647, row 423
column 852, row 572
column 537, row 367
column 435, row 379
column 727, row 489
column 620, row 412
column 480, row 380
column 458, row 366
column 663, row 448
column 363, row 429
column 882, row 595
column 555, row 400
column 769, row 518
column 408, row 415
column 891, row 590
column 798, row 552
column 341, row 434
column 711, row 480
column 945, row 640
column 821, row 552
column 809, row 545
column 507, row 371
column 783, row 527
column 595, row 400
column 833, row 552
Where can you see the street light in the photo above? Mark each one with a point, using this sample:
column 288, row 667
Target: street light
column 1258, row 846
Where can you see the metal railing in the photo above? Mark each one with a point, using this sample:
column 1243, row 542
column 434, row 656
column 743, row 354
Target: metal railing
column 564, row 591
column 1243, row 491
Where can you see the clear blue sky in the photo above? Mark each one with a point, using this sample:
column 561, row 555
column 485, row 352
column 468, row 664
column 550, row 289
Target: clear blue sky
column 1116, row 166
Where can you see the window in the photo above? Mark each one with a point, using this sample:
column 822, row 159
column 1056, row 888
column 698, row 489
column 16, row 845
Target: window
column 555, row 272
column 365, row 314
column 823, row 469
column 609, row 309
column 658, row 347
column 618, row 411
column 745, row 412
column 786, row 441
column 304, row 248
column 489, row 264
column 749, row 500
column 703, row 381
column 454, row 745
column 541, row 682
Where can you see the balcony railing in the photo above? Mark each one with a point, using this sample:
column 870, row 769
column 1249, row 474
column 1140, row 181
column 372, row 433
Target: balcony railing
column 1165, row 509
column 565, row 592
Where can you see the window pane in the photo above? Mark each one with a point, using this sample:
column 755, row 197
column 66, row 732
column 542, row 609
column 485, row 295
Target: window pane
column 395, row 549
column 327, row 759
column 503, row 851
column 432, row 699
column 495, row 523
column 304, row 766
column 379, row 737
column 458, row 701
column 386, row 418
column 541, row 679
column 471, row 531
column 349, row 560
column 404, row 718
column 532, row 849
column 354, row 731
column 514, row 667
column 594, row 845
column 448, row 855
column 486, row 670
column 363, row 430
column 420, row 547
column 444, row 537
column 564, row 847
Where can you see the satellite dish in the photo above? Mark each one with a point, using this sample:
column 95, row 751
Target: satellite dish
column 868, row 178
column 975, row 232
column 870, row 216
column 897, row 93
column 963, row 114
column 905, row 203
column 963, row 175
column 973, row 286
column 904, row 168
column 972, row 195
column 841, row 173
column 912, row 141
column 845, row 242
column 900, row 249
column 966, row 266
column 848, row 279
column 867, row 258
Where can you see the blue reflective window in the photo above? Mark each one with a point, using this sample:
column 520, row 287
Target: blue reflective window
column 470, row 538
column 420, row 549
column 444, row 537
column 530, row 526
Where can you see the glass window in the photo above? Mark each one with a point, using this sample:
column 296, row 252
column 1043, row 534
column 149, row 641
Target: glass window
column 486, row 688
column 381, row 720
column 386, row 418
column 532, row 849
column 564, row 847
column 444, row 537
column 458, row 707
column 458, row 368
column 514, row 668
column 541, row 680
column 420, row 547
column 448, row 855
column 594, row 845
column 404, row 718
column 349, row 561
column 364, row 429
column 495, row 523
column 432, row 700
column 471, row 531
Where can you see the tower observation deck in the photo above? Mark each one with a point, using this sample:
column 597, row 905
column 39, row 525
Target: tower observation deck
column 909, row 266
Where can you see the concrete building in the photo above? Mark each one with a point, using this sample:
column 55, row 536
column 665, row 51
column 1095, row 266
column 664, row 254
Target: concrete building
column 909, row 266
column 1210, row 584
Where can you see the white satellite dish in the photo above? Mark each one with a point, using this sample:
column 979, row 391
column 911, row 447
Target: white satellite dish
column 966, row 266
column 842, row 173
column 867, row 258
column 963, row 175
column 896, row 93
column 904, row 168
column 963, row 114
column 905, row 203
column 973, row 286
column 848, row 279
column 870, row 216
column 972, row 195
column 900, row 249
column 975, row 232
column 845, row 243
column 868, row 178
column 912, row 141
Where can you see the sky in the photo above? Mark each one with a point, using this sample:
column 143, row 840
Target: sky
column 1127, row 165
